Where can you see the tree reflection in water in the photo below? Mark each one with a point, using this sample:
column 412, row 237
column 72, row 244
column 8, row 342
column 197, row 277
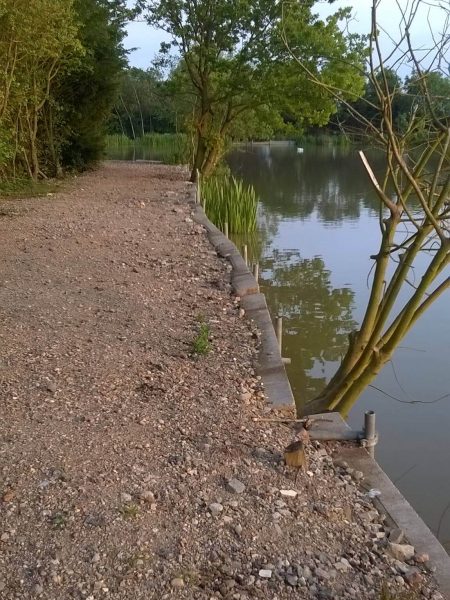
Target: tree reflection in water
column 300, row 290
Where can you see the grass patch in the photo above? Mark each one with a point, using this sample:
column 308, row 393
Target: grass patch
column 228, row 200
column 200, row 344
column 27, row 188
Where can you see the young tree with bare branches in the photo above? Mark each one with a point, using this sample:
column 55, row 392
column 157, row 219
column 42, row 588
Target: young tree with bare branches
column 414, row 191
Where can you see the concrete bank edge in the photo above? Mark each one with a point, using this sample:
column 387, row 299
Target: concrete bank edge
column 269, row 365
column 327, row 426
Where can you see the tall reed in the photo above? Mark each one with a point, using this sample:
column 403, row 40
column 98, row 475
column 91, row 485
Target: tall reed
column 171, row 148
column 228, row 200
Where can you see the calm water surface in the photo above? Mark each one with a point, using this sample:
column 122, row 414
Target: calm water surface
column 318, row 228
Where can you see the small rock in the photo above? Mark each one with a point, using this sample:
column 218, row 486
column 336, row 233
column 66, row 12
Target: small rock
column 321, row 573
column 238, row 529
column 265, row 573
column 413, row 577
column 343, row 565
column 126, row 497
column 235, row 486
column 147, row 497
column 2, row 586
column 401, row 552
column 245, row 397
column 422, row 558
column 8, row 496
column 241, row 313
column 188, row 220
column 51, row 386
column 177, row 582
column 289, row 493
column 38, row 589
column 95, row 558
column 4, row 537
column 358, row 475
column 226, row 586
column 396, row 535
column 292, row 580
column 215, row 509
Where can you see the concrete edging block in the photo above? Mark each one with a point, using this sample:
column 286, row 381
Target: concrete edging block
column 270, row 365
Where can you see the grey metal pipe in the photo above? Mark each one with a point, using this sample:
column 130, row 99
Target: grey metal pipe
column 370, row 432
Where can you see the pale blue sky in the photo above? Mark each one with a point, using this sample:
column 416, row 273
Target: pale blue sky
column 147, row 40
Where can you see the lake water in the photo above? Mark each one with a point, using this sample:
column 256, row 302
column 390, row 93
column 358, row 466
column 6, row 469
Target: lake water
column 318, row 227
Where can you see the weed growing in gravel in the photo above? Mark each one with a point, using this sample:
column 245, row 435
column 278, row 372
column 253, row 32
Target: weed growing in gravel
column 58, row 520
column 129, row 511
column 200, row 344
column 386, row 594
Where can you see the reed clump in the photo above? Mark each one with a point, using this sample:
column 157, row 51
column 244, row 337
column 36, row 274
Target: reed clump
column 228, row 200
column 171, row 148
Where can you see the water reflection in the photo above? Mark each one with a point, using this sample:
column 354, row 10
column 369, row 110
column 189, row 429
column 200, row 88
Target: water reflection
column 322, row 181
column 317, row 317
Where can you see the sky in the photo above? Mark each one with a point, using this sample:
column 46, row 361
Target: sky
column 147, row 40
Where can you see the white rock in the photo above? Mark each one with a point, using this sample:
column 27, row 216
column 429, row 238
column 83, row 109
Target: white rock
column 289, row 493
column 265, row 573
column 215, row 509
column 401, row 552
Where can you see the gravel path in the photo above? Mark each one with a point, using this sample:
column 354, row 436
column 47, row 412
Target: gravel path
column 133, row 469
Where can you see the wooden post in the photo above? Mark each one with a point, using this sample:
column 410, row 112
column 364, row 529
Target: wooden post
column 245, row 254
column 280, row 332
column 226, row 229
column 256, row 271
column 199, row 190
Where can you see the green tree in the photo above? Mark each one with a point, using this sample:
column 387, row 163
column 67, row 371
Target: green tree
column 87, row 94
column 235, row 63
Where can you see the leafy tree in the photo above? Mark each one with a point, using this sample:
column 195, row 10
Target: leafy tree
column 88, row 92
column 60, row 62
column 236, row 63
column 145, row 104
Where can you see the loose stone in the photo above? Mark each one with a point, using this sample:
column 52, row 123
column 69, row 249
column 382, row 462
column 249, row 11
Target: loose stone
column 289, row 493
column 265, row 573
column 235, row 486
column 401, row 552
column 215, row 509
column 177, row 582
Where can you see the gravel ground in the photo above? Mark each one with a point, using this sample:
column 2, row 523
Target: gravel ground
column 133, row 469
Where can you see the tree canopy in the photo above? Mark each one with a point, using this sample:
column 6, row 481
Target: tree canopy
column 236, row 64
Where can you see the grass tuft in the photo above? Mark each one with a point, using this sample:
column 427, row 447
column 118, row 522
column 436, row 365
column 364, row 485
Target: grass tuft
column 200, row 344
column 228, row 200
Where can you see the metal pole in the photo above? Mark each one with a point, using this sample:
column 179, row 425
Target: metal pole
column 256, row 271
column 280, row 332
column 226, row 229
column 370, row 433
column 245, row 254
